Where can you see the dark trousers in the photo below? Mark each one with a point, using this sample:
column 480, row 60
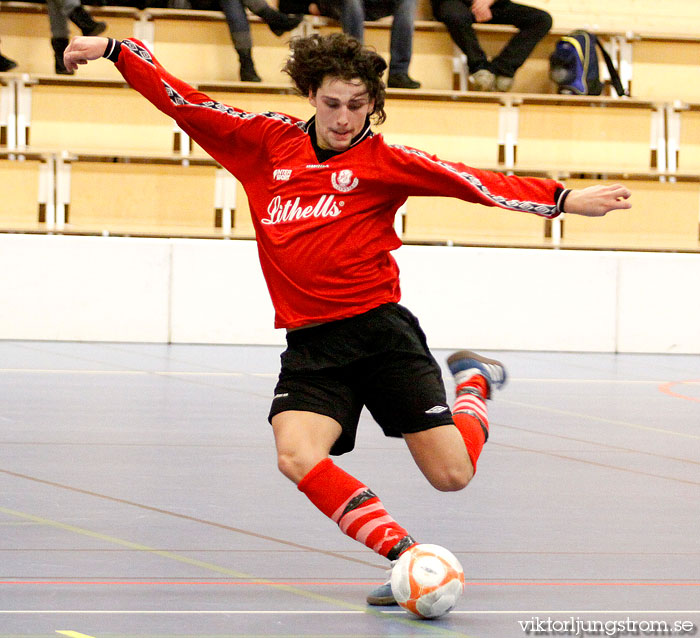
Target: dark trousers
column 532, row 24
column 353, row 13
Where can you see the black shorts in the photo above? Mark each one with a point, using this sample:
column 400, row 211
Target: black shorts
column 379, row 359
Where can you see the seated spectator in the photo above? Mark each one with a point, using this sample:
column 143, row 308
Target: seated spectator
column 238, row 27
column 352, row 14
column 6, row 64
column 60, row 11
column 495, row 75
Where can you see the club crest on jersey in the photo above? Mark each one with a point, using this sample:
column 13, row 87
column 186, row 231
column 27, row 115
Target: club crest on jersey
column 344, row 181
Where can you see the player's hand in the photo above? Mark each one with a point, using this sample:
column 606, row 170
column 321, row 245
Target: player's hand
column 482, row 10
column 83, row 49
column 596, row 201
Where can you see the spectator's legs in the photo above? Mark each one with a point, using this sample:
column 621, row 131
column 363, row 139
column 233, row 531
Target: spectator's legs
column 401, row 46
column 6, row 64
column 353, row 18
column 59, row 34
column 458, row 19
column 278, row 22
column 532, row 24
column 239, row 29
column 73, row 10
column 57, row 19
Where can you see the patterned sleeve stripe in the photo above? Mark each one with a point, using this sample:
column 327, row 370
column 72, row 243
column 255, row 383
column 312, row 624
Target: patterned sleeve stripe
column 142, row 52
column 544, row 210
column 178, row 100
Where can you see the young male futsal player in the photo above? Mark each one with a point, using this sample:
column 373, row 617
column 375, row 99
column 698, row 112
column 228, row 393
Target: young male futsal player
column 323, row 196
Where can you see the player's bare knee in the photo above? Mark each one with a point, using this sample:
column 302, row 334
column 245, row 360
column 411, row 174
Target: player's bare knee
column 295, row 465
column 452, row 479
column 289, row 464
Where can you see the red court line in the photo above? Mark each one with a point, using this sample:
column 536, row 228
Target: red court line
column 666, row 389
column 344, row 584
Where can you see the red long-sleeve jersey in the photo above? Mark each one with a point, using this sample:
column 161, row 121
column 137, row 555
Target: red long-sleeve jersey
column 324, row 229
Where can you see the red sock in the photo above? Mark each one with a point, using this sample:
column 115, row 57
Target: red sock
column 355, row 508
column 470, row 415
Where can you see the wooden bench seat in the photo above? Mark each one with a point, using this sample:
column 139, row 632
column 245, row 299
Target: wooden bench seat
column 24, row 191
column 68, row 112
column 665, row 216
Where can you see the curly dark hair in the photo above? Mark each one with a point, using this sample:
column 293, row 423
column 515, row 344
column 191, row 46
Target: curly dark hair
column 337, row 55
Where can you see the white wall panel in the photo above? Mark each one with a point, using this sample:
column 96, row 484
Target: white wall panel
column 659, row 303
column 511, row 298
column 219, row 294
column 200, row 291
column 83, row 288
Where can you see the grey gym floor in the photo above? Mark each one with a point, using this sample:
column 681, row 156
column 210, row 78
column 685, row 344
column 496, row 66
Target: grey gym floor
column 139, row 497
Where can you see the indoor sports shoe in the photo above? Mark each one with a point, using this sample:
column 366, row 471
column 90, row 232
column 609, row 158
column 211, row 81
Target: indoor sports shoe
column 464, row 364
column 482, row 80
column 503, row 83
column 382, row 596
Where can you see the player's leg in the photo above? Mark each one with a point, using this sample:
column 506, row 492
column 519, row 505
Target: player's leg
column 304, row 441
column 475, row 379
column 448, row 465
column 441, row 456
column 447, row 454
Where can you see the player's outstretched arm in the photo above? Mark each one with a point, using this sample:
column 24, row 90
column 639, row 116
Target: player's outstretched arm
column 596, row 201
column 82, row 49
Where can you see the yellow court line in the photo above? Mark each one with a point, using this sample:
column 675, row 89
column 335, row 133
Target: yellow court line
column 72, row 634
column 416, row 624
column 599, row 419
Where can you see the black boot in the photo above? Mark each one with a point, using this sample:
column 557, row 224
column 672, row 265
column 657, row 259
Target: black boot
column 279, row 22
column 6, row 64
column 83, row 20
column 402, row 81
column 248, row 73
column 59, row 46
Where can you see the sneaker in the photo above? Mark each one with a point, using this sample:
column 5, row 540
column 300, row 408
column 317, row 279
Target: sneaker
column 503, row 83
column 402, row 81
column 382, row 596
column 482, row 80
column 465, row 364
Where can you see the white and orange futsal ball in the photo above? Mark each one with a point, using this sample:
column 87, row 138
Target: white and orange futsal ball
column 427, row 580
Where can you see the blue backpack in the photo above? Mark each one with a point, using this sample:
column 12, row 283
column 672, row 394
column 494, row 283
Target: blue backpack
column 574, row 65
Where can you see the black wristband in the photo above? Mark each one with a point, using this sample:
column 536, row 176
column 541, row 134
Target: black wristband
column 562, row 199
column 113, row 49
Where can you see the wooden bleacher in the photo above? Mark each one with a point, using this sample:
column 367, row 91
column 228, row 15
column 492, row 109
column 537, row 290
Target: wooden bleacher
column 105, row 142
column 69, row 113
column 24, row 192
column 686, row 148
column 664, row 217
